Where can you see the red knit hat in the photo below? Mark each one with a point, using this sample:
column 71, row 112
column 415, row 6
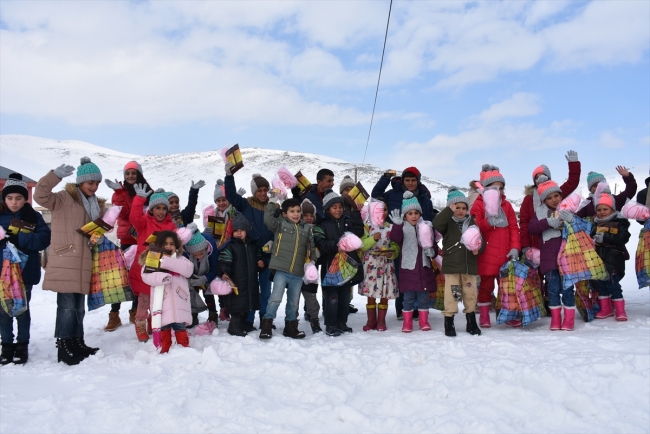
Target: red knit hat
column 412, row 170
column 491, row 174
column 546, row 187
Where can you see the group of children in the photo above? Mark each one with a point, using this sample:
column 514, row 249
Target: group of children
column 267, row 246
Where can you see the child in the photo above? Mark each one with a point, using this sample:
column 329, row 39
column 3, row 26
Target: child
column 380, row 281
column 326, row 236
column 346, row 185
column 501, row 235
column 185, row 217
column 69, row 267
column 594, row 178
column 15, row 205
column 176, row 310
column 157, row 219
column 202, row 252
column 293, row 244
column 309, row 290
column 416, row 278
column 611, row 233
column 241, row 260
column 547, row 223
column 460, row 266
column 123, row 196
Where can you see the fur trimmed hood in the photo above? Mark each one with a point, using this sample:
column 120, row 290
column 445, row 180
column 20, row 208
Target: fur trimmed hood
column 529, row 190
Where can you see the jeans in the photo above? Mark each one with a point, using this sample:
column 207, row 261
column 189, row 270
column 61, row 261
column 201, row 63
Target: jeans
column 265, row 293
column 555, row 290
column 311, row 304
column 24, row 320
column 293, row 285
column 611, row 287
column 413, row 298
column 70, row 312
column 176, row 326
column 337, row 304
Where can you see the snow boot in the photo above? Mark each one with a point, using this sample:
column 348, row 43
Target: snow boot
column 382, row 310
column 21, row 354
column 132, row 315
column 569, row 318
column 235, row 326
column 343, row 327
column 67, row 352
column 7, row 355
column 315, row 326
column 223, row 315
column 450, row 329
column 291, row 330
column 605, row 308
column 556, row 317
column 371, row 309
column 407, row 327
column 182, row 338
column 141, row 330
column 114, row 321
column 246, row 325
column 352, row 309
column 195, row 321
column 82, row 348
column 472, row 327
column 166, row 340
column 214, row 317
column 266, row 328
column 273, row 326
column 423, row 320
column 332, row 331
column 484, row 315
column 619, row 308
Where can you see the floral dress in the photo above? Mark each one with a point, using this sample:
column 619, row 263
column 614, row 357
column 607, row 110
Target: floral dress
column 380, row 280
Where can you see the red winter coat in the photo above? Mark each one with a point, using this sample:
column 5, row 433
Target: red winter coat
column 145, row 225
column 498, row 241
column 527, row 210
column 122, row 198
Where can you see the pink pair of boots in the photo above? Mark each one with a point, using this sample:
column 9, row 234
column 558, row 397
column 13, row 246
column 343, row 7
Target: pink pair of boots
column 423, row 321
column 557, row 323
column 484, row 317
column 609, row 308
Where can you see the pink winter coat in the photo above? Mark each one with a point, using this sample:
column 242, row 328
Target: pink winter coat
column 176, row 301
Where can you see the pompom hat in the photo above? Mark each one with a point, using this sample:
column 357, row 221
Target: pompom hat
column 541, row 170
column 594, row 178
column 132, row 165
column 546, row 187
column 219, row 190
column 330, row 198
column 15, row 184
column 490, row 174
column 257, row 182
column 88, row 171
column 160, row 196
column 410, row 202
column 197, row 243
column 239, row 221
column 345, row 183
column 454, row 195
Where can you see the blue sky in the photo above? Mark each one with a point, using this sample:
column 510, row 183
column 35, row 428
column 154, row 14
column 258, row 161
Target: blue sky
column 511, row 83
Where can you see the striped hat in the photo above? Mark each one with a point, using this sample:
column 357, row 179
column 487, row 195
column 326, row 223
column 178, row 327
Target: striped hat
column 545, row 187
column 15, row 184
column 454, row 195
column 594, row 178
column 88, row 171
column 171, row 194
column 133, row 165
column 410, row 202
column 330, row 198
column 543, row 169
column 159, row 197
column 490, row 174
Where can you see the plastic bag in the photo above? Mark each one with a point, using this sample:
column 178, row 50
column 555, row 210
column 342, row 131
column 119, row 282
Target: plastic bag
column 570, row 203
column 472, row 238
column 533, row 257
column 287, row 178
column 311, row 273
column 492, row 201
column 219, row 287
column 129, row 256
column 635, row 211
column 110, row 216
column 376, row 212
column 425, row 234
column 349, row 242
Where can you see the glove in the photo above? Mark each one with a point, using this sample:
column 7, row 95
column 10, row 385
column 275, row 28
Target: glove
column 201, row 280
column 430, row 252
column 198, row 185
column 113, row 185
column 396, row 217
column 554, row 222
column 599, row 237
column 241, row 191
column 141, row 190
column 571, row 156
column 513, row 254
column 228, row 168
column 274, row 195
column 566, row 215
column 524, row 250
column 266, row 248
column 63, row 171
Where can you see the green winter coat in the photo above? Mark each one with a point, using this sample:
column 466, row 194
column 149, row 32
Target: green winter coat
column 456, row 258
column 293, row 243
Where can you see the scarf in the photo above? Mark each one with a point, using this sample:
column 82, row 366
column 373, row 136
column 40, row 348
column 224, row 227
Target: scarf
column 606, row 219
column 462, row 224
column 499, row 221
column 201, row 266
column 410, row 247
column 225, row 214
column 90, row 205
column 543, row 212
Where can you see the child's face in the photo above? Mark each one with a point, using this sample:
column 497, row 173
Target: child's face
column 239, row 233
column 410, row 183
column 336, row 210
column 603, row 211
column 89, row 188
column 131, row 176
column 159, row 212
column 346, row 191
column 499, row 185
column 308, row 218
column 222, row 203
column 553, row 200
column 262, row 194
column 460, row 210
column 174, row 204
column 293, row 214
column 170, row 245
column 15, row 201
column 412, row 216
column 200, row 254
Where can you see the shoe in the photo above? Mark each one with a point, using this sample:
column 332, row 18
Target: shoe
column 619, row 308
column 484, row 315
column 67, row 353
column 21, row 354
column 416, row 314
column 399, row 315
column 291, row 330
column 82, row 348
column 246, row 325
column 472, row 327
column 214, row 317
column 407, row 327
column 262, row 316
column 514, row 323
column 352, row 309
column 332, row 331
column 132, row 315
column 223, row 315
column 605, row 308
column 343, row 327
column 315, row 326
column 450, row 329
column 141, row 330
column 182, row 338
column 423, row 320
column 166, row 340
column 235, row 327
column 382, row 310
column 114, row 321
column 266, row 328
column 7, row 355
column 569, row 318
column 556, row 317
column 372, row 317
column 195, row 321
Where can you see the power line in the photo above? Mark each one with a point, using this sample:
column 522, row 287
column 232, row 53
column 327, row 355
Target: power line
column 378, row 80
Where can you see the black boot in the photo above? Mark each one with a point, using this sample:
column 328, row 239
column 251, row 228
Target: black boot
column 472, row 327
column 214, row 317
column 235, row 326
column 82, row 348
column 352, row 309
column 450, row 330
column 332, row 331
column 68, row 352
column 291, row 330
column 195, row 321
column 7, row 355
column 262, row 317
column 343, row 327
column 21, row 354
column 266, row 329
column 315, row 326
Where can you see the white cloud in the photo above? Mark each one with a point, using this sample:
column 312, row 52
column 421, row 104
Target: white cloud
column 609, row 141
column 519, row 105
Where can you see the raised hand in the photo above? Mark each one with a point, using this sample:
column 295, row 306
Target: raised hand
column 113, row 185
column 396, row 217
column 622, row 171
column 198, row 185
column 571, row 156
column 141, row 190
column 63, row 171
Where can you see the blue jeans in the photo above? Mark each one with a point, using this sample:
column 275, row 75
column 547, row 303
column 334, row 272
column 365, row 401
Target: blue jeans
column 24, row 320
column 70, row 312
column 611, row 287
column 556, row 291
column 293, row 284
column 265, row 293
column 176, row 326
column 416, row 298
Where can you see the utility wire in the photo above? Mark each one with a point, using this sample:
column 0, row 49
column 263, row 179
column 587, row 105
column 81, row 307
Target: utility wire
column 378, row 80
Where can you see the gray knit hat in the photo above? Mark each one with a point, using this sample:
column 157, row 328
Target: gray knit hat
column 219, row 190
column 345, row 183
column 88, row 171
column 454, row 195
column 410, row 202
column 159, row 197
column 15, row 184
column 490, row 174
column 330, row 198
column 541, row 170
column 239, row 221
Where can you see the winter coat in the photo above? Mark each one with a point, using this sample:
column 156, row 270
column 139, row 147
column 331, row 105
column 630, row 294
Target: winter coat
column 293, row 243
column 642, row 196
column 239, row 261
column 394, row 197
column 612, row 250
column 30, row 243
column 187, row 214
column 527, row 210
column 619, row 200
column 69, row 266
column 121, row 198
column 327, row 234
column 176, row 306
column 212, row 258
column 548, row 250
column 456, row 258
column 259, row 232
column 421, row 278
column 498, row 241
column 145, row 225
column 317, row 199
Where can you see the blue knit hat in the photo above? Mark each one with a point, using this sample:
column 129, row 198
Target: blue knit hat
column 171, row 194
column 197, row 243
column 88, row 171
column 410, row 202
column 454, row 195
column 159, row 197
column 594, row 178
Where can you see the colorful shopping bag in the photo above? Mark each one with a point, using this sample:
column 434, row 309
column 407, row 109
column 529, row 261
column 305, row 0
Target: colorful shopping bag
column 437, row 299
column 577, row 259
column 14, row 296
column 535, row 284
column 642, row 260
column 584, row 300
column 341, row 271
column 517, row 297
column 109, row 281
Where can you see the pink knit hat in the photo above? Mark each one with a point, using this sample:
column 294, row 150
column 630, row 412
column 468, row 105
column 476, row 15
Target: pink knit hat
column 603, row 196
column 546, row 187
column 491, row 174
column 132, row 165
column 543, row 169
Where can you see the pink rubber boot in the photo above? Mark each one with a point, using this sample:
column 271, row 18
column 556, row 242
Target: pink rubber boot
column 484, row 312
column 605, row 308
column 424, row 320
column 556, row 317
column 407, row 327
column 569, row 318
column 619, row 307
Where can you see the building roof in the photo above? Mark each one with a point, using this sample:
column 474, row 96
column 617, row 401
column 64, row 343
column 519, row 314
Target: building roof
column 5, row 172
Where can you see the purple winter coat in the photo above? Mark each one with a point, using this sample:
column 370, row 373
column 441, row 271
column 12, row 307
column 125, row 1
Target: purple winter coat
column 548, row 250
column 420, row 278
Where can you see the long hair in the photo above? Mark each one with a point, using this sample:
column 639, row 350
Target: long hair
column 160, row 242
column 139, row 180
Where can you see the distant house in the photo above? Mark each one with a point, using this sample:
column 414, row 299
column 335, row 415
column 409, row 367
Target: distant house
column 4, row 174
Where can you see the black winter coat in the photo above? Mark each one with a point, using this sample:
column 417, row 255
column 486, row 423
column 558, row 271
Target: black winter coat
column 612, row 250
column 326, row 236
column 239, row 260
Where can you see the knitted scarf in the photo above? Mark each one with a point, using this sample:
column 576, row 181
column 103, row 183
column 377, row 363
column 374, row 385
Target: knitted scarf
column 410, row 247
column 90, row 205
column 462, row 224
column 201, row 266
column 606, row 219
column 542, row 212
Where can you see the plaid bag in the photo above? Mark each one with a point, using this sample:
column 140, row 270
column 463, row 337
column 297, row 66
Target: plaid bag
column 577, row 259
column 517, row 297
column 584, row 300
column 642, row 260
column 14, row 296
column 437, row 299
column 535, row 283
column 109, row 282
